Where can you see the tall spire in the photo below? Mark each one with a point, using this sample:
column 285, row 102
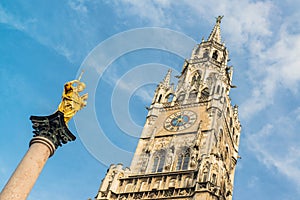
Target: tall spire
column 215, row 35
column 166, row 81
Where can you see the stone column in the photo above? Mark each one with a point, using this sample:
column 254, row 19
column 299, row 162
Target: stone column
column 49, row 133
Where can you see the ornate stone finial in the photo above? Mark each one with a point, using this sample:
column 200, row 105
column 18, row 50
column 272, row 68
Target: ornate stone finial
column 71, row 101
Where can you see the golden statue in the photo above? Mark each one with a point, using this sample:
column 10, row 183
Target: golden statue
column 71, row 100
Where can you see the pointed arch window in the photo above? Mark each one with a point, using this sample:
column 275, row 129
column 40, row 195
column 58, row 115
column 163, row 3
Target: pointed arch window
column 155, row 164
column 214, row 179
column 205, row 54
column 183, row 162
column 179, row 161
column 193, row 94
column 159, row 98
column 180, row 97
column 186, row 161
column 205, row 93
column 215, row 55
column 170, row 97
column 196, row 78
column 205, row 174
column 158, row 163
column 161, row 164
column 218, row 89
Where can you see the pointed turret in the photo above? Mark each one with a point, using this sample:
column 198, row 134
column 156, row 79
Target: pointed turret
column 164, row 89
column 166, row 81
column 215, row 35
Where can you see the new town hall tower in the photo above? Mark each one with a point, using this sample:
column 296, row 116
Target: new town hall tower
column 189, row 145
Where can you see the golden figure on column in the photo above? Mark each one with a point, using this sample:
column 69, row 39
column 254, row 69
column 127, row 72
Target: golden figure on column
column 50, row 132
column 71, row 99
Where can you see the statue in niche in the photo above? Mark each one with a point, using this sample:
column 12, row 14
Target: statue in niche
column 194, row 156
column 196, row 79
column 169, row 159
column 71, row 101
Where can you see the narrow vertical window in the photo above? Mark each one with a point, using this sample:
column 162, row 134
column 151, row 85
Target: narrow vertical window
column 179, row 162
column 204, row 177
column 218, row 89
column 161, row 164
column 159, row 98
column 155, row 164
column 214, row 179
column 186, row 160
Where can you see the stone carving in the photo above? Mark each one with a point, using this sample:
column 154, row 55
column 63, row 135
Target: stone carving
column 161, row 143
column 194, row 156
column 169, row 159
column 52, row 127
column 169, row 193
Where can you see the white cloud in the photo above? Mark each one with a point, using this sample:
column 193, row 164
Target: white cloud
column 152, row 11
column 277, row 146
column 145, row 94
column 275, row 66
column 7, row 18
column 78, row 5
column 245, row 20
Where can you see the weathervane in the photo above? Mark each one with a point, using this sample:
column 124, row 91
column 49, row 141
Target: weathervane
column 219, row 18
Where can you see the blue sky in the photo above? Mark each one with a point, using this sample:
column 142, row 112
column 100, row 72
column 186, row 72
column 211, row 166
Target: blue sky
column 43, row 44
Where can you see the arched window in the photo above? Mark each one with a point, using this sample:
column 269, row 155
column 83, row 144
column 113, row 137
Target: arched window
column 158, row 162
column 159, row 98
column 205, row 93
column 214, row 179
column 205, row 54
column 186, row 160
column 161, row 164
column 193, row 94
column 195, row 78
column 155, row 164
column 205, row 174
column 180, row 97
column 179, row 161
column 170, row 97
column 183, row 162
column 218, row 89
column 215, row 55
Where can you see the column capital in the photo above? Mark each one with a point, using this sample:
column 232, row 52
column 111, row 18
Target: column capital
column 53, row 128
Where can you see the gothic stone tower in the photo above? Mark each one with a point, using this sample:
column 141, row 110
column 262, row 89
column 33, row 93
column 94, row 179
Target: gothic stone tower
column 189, row 145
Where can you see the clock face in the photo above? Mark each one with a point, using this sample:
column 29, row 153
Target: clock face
column 180, row 120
